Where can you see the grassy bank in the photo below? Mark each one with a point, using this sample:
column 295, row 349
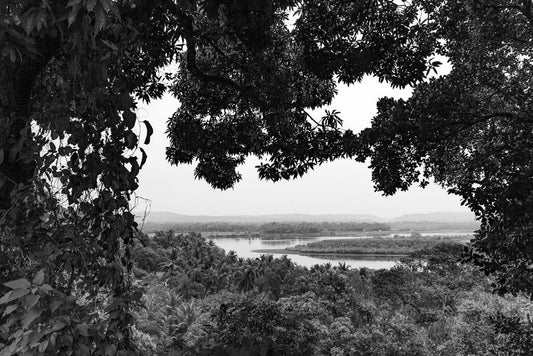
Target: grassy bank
column 375, row 245
column 291, row 251
column 291, row 235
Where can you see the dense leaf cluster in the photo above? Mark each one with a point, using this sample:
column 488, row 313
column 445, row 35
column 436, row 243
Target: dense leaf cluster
column 69, row 160
column 240, row 97
column 470, row 130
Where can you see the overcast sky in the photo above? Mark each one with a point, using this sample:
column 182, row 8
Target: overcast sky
column 341, row 187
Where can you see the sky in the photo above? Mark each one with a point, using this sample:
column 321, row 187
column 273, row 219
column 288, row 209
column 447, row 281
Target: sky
column 340, row 187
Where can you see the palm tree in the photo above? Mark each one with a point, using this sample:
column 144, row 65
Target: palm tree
column 247, row 281
column 343, row 267
column 182, row 317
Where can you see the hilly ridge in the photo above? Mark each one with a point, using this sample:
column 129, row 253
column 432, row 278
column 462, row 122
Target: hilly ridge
column 170, row 217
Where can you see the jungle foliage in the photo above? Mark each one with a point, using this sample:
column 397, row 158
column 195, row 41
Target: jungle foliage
column 470, row 130
column 72, row 72
column 202, row 301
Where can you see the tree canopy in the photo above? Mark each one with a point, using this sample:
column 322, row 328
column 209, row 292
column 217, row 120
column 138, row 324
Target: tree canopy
column 242, row 96
column 470, row 130
column 247, row 75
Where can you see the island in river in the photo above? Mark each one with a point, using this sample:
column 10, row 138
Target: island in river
column 396, row 246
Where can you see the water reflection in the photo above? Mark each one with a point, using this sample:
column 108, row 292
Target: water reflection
column 353, row 262
column 244, row 247
column 278, row 243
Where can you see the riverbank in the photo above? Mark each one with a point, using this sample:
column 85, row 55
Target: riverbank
column 296, row 235
column 289, row 251
column 357, row 234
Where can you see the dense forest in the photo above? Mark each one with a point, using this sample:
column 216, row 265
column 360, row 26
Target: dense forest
column 261, row 229
column 202, row 301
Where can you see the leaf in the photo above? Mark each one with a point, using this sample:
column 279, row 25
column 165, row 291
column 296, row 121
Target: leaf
column 10, row 309
column 129, row 118
column 111, row 45
column 54, row 305
column 100, row 18
column 90, row 5
column 41, row 20
column 30, row 316
column 143, row 159
column 35, row 337
column 18, row 284
column 30, row 301
column 131, row 140
column 134, row 167
column 73, row 14
column 149, row 132
column 13, row 295
column 43, row 345
column 29, row 21
column 46, row 288
column 5, row 298
column 39, row 278
column 106, row 4
column 58, row 325
column 83, row 329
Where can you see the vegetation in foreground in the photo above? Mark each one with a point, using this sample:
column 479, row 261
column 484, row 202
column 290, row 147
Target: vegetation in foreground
column 398, row 245
column 202, row 301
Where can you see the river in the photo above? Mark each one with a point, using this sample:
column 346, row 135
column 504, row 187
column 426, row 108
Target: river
column 245, row 247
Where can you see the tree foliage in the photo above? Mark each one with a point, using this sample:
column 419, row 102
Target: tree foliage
column 470, row 130
column 428, row 305
column 243, row 95
column 247, row 75
column 69, row 160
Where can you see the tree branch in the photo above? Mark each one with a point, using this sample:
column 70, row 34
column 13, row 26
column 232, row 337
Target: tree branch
column 188, row 33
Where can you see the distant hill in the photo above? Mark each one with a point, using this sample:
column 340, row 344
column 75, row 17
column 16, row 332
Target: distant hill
column 168, row 217
column 445, row 217
column 440, row 217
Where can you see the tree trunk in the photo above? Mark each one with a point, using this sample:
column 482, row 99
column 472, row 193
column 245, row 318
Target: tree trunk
column 16, row 83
